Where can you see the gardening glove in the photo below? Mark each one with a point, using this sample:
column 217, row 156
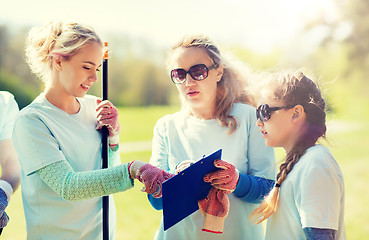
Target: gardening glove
column 183, row 165
column 4, row 219
column 224, row 179
column 107, row 115
column 151, row 176
column 215, row 209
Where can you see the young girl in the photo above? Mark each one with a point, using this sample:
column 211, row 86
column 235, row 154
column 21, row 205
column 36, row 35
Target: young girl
column 58, row 145
column 216, row 114
column 307, row 201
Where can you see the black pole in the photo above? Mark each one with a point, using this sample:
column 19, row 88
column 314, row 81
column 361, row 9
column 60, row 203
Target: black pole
column 105, row 134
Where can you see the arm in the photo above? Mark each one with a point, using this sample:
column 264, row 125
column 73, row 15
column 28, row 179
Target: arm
column 156, row 203
column 248, row 188
column 72, row 185
column 252, row 189
column 10, row 177
column 10, row 168
column 319, row 234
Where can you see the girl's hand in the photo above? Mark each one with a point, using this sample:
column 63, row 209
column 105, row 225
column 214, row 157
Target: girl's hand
column 224, row 179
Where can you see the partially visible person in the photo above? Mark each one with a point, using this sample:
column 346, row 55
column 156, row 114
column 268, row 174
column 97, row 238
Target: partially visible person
column 10, row 168
column 307, row 201
column 59, row 146
column 217, row 113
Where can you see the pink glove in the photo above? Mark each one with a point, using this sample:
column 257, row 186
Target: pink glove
column 224, row 179
column 215, row 209
column 107, row 115
column 151, row 176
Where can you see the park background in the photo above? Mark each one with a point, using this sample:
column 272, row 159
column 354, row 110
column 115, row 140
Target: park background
column 328, row 39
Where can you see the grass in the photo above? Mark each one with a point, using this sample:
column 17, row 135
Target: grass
column 351, row 152
column 137, row 123
column 137, row 220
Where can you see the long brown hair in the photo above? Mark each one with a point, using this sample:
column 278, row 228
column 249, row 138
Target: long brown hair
column 295, row 89
column 231, row 88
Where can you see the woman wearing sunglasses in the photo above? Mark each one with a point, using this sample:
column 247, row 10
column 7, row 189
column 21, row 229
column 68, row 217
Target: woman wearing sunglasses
column 217, row 112
column 307, row 201
column 59, row 146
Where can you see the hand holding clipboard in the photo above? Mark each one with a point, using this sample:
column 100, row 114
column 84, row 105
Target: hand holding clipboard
column 182, row 192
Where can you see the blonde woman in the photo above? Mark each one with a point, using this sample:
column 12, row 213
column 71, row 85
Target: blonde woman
column 59, row 146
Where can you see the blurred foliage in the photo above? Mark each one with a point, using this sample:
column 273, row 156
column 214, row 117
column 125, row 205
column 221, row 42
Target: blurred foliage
column 15, row 76
column 342, row 59
column 138, row 75
column 136, row 71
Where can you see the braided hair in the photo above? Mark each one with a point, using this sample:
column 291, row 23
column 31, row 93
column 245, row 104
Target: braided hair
column 295, row 89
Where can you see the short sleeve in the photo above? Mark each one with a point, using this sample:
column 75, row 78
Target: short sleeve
column 8, row 113
column 35, row 145
column 321, row 194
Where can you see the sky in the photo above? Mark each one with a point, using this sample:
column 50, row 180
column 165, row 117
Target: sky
column 258, row 25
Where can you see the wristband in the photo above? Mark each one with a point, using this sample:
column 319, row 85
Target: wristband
column 7, row 188
column 114, row 140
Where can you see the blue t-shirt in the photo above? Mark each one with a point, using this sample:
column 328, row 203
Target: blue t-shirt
column 180, row 136
column 312, row 195
column 44, row 134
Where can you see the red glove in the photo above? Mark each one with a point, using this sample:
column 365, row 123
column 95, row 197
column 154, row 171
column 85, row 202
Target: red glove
column 215, row 209
column 224, row 179
column 107, row 115
column 151, row 176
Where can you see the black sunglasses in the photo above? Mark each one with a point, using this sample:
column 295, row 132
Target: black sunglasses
column 198, row 72
column 263, row 112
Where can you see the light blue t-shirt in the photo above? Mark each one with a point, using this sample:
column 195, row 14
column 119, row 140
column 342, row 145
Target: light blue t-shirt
column 8, row 113
column 45, row 134
column 180, row 137
column 312, row 195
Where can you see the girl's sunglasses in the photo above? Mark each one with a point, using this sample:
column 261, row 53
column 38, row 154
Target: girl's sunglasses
column 198, row 72
column 263, row 112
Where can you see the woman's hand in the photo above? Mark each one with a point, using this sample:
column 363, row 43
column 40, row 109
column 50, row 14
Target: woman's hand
column 107, row 115
column 151, row 176
column 183, row 165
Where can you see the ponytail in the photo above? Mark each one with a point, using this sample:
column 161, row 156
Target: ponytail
column 56, row 39
column 271, row 202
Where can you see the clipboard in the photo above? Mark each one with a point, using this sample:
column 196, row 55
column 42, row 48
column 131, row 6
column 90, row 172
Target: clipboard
column 182, row 192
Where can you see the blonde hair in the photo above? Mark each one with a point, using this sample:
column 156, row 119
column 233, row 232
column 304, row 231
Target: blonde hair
column 294, row 89
column 56, row 39
column 231, row 88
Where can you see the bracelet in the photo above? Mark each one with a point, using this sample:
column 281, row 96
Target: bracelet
column 277, row 185
column 7, row 188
